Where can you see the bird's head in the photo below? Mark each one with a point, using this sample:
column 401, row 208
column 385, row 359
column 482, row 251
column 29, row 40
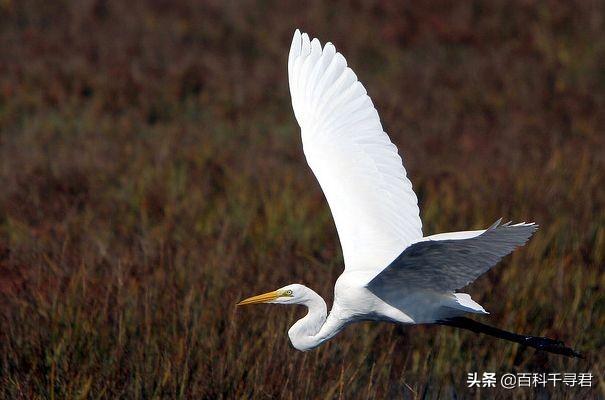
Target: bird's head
column 291, row 294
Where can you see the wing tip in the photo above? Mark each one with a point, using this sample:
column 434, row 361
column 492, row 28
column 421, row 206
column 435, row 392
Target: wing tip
column 295, row 47
column 305, row 38
column 296, row 37
column 509, row 224
column 522, row 231
column 495, row 224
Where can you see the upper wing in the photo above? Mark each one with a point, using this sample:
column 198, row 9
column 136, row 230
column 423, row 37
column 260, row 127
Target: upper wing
column 362, row 176
column 451, row 262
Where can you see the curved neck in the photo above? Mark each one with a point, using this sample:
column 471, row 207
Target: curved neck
column 316, row 327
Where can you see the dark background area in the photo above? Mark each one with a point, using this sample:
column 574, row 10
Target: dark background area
column 151, row 175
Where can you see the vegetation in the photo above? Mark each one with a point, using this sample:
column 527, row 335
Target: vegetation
column 152, row 175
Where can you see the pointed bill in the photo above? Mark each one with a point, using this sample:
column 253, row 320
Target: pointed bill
column 261, row 298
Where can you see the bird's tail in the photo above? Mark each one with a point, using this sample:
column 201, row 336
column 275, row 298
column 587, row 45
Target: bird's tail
column 537, row 342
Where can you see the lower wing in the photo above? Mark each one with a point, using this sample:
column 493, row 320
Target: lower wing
column 450, row 261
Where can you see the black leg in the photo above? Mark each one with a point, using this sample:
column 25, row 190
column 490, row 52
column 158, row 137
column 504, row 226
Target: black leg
column 539, row 343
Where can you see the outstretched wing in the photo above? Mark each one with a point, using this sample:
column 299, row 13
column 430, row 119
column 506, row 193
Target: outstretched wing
column 362, row 176
column 450, row 261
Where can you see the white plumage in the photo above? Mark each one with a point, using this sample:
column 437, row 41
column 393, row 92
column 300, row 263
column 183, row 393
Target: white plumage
column 362, row 176
column 392, row 272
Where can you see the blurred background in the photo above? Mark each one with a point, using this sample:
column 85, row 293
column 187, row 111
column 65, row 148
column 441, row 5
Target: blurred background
column 151, row 175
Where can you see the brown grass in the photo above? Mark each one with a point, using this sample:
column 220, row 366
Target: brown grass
column 151, row 175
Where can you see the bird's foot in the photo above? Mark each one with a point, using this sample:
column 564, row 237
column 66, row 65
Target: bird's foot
column 542, row 342
column 550, row 345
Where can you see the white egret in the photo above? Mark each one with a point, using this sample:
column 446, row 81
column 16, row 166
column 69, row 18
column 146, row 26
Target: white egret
column 392, row 273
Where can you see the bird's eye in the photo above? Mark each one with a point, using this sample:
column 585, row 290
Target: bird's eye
column 289, row 292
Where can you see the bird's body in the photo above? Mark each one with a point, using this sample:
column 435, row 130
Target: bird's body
column 392, row 272
column 354, row 302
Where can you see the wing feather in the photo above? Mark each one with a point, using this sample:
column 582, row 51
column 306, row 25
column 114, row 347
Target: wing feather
column 358, row 168
column 450, row 261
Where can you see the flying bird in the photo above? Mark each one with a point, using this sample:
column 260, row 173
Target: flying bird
column 392, row 272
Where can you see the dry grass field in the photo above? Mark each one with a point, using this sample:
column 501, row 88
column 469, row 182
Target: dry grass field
column 151, row 175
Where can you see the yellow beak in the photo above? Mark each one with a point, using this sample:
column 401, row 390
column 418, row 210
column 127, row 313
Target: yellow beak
column 261, row 298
